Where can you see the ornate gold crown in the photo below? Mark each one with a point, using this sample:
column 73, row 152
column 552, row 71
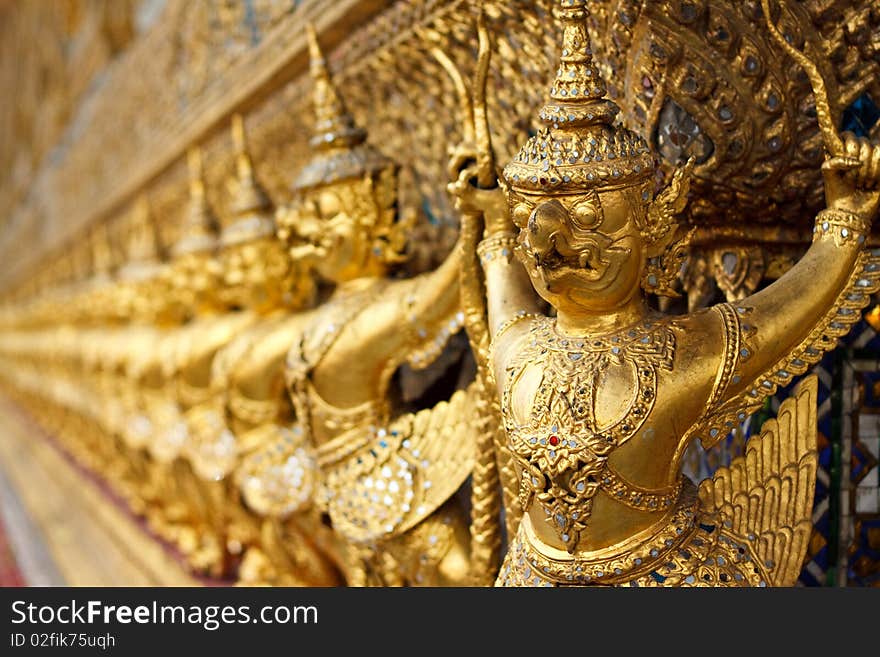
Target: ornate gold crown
column 342, row 151
column 144, row 250
column 199, row 232
column 581, row 146
column 252, row 216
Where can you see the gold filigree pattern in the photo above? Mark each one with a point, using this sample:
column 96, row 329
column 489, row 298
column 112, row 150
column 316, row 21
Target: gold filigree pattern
column 685, row 550
column 399, row 474
column 561, row 434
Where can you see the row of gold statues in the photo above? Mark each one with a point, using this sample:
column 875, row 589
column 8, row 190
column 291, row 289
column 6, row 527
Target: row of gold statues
column 242, row 394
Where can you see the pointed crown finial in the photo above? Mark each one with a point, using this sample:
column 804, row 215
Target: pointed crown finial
column 580, row 146
column 342, row 151
column 252, row 216
column 144, row 248
column 102, row 249
column 199, row 231
column 143, row 243
column 334, row 126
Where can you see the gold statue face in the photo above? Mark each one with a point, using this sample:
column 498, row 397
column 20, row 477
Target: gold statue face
column 583, row 251
column 254, row 272
column 346, row 229
column 334, row 224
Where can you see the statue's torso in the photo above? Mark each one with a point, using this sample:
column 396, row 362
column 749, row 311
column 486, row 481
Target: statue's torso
column 336, row 366
column 597, row 423
column 596, row 426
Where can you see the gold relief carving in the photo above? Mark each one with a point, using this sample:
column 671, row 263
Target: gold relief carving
column 688, row 70
column 79, row 41
column 738, row 272
column 418, row 26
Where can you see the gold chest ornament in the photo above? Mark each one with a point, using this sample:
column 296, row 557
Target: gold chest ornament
column 561, row 447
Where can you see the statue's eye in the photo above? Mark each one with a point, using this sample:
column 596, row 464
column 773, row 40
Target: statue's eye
column 586, row 215
column 521, row 214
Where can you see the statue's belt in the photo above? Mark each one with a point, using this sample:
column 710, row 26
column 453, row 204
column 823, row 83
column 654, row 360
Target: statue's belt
column 618, row 563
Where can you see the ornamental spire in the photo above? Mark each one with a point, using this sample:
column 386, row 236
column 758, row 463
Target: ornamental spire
column 251, row 208
column 342, row 151
column 581, row 146
column 199, row 231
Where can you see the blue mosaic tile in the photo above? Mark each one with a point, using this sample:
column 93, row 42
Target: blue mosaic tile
column 861, row 116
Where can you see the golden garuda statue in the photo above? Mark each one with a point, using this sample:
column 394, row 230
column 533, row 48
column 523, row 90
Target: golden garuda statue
column 601, row 396
column 244, row 406
column 384, row 477
column 155, row 430
column 252, row 280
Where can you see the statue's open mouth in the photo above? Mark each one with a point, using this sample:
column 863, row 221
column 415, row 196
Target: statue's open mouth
column 588, row 261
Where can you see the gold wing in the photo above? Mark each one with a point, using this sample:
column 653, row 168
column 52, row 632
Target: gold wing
column 767, row 494
column 209, row 445
column 278, row 473
column 397, row 476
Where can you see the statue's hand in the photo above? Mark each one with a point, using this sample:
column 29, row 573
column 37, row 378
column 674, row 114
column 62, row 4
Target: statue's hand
column 490, row 203
column 461, row 158
column 852, row 180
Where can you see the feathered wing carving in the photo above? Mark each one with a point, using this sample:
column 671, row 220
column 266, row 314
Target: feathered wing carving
column 767, row 494
column 388, row 480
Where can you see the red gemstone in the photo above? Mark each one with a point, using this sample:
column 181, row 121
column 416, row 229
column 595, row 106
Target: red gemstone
column 554, row 440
